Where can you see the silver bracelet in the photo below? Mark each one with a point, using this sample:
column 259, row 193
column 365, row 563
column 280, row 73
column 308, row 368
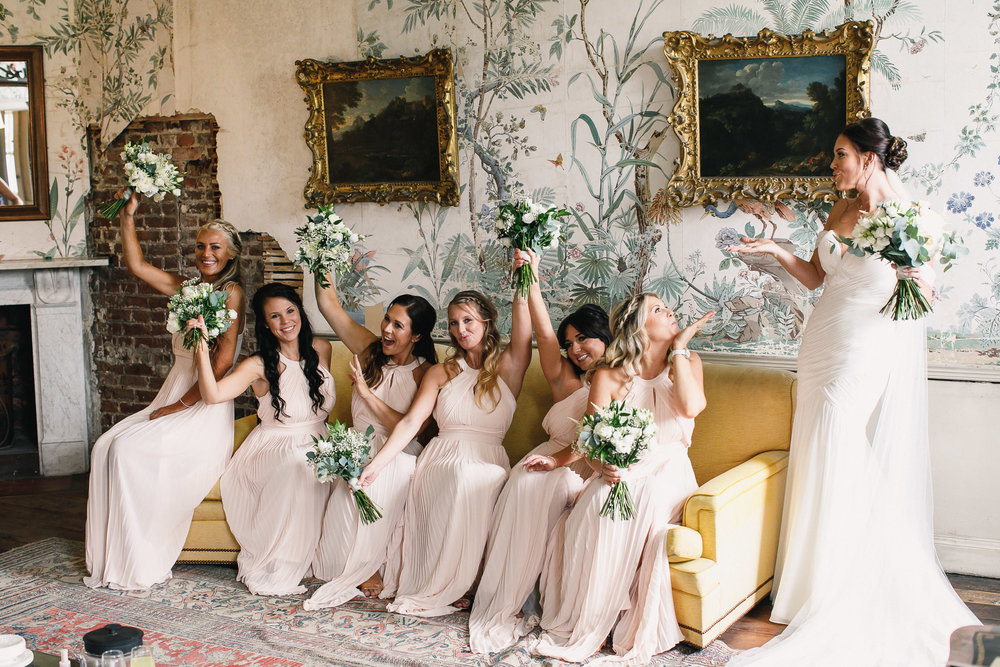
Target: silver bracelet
column 181, row 399
column 680, row 352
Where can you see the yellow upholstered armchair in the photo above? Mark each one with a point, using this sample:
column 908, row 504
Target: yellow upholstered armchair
column 722, row 558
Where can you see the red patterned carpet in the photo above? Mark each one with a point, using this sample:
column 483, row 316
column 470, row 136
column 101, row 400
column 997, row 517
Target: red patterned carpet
column 203, row 617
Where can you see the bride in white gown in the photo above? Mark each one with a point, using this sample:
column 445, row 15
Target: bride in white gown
column 857, row 578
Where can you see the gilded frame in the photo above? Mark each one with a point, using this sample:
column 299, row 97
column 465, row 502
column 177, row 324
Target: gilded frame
column 684, row 50
column 441, row 187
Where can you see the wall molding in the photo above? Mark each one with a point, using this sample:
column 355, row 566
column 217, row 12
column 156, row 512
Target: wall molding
column 934, row 371
column 969, row 555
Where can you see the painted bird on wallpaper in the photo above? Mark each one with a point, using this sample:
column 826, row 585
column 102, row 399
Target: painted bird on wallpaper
column 763, row 211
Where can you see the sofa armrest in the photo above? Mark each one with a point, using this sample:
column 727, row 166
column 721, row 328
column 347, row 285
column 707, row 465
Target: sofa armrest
column 738, row 513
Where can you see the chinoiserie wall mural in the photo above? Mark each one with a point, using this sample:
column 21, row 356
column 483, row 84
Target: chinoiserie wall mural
column 106, row 63
column 565, row 101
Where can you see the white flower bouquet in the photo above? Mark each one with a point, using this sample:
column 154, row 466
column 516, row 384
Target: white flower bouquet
column 907, row 235
column 616, row 434
column 148, row 173
column 325, row 244
column 344, row 453
column 525, row 225
column 196, row 298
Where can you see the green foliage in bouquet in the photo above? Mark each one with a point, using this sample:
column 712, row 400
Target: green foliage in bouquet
column 344, row 453
column 196, row 298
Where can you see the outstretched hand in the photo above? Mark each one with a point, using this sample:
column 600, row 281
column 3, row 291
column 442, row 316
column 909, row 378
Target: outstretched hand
column 749, row 245
column 358, row 378
column 686, row 334
column 132, row 205
column 198, row 324
column 522, row 257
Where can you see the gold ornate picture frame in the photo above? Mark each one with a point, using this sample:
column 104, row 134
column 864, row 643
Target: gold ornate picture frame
column 381, row 130
column 757, row 117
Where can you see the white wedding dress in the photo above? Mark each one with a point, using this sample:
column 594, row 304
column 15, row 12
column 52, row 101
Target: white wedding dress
column 857, row 578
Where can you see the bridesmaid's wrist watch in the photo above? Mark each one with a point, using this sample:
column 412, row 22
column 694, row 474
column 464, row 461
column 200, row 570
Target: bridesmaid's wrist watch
column 679, row 352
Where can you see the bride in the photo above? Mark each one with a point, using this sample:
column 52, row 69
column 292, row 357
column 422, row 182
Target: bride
column 857, row 579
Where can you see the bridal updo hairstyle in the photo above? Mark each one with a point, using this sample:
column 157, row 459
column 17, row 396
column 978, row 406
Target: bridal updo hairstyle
column 267, row 347
column 871, row 135
column 589, row 320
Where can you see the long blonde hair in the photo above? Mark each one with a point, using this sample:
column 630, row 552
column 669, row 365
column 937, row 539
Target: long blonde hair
column 487, row 384
column 629, row 340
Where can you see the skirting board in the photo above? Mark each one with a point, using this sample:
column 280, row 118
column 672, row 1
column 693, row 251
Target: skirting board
column 969, row 555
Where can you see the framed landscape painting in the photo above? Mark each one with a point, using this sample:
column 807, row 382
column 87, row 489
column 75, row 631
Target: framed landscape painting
column 757, row 116
column 381, row 130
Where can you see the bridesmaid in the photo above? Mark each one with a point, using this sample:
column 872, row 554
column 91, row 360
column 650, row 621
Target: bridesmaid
column 149, row 471
column 541, row 486
column 459, row 476
column 273, row 502
column 596, row 566
column 386, row 371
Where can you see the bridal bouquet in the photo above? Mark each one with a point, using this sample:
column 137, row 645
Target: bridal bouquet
column 148, row 173
column 525, row 225
column 908, row 235
column 345, row 453
column 325, row 244
column 616, row 434
column 196, row 298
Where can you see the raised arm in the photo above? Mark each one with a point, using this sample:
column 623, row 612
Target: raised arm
column 248, row 372
column 517, row 355
column 162, row 281
column 355, row 337
column 686, row 371
column 410, row 424
column 384, row 414
column 557, row 369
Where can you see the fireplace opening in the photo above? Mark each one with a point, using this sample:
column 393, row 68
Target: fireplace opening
column 18, row 425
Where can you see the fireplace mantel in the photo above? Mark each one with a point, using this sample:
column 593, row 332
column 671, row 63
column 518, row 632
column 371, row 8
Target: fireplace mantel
column 53, row 290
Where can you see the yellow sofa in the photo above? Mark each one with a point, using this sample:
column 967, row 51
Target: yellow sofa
column 722, row 558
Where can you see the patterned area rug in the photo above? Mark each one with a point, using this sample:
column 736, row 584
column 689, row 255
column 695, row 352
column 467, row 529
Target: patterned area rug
column 203, row 617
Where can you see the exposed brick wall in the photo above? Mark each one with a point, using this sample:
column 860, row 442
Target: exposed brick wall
column 131, row 344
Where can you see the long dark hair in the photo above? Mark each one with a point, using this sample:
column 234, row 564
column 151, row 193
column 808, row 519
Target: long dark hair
column 422, row 320
column 871, row 135
column 591, row 321
column 267, row 347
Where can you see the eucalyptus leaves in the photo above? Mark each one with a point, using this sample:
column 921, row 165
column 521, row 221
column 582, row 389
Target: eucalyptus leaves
column 325, row 244
column 525, row 225
column 196, row 298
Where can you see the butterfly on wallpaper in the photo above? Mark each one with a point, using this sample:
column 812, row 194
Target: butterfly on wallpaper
column 558, row 162
column 540, row 110
column 918, row 137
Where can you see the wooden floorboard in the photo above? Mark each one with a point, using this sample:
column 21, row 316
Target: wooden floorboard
column 33, row 509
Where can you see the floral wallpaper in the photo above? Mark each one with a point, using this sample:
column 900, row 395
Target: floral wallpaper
column 599, row 76
column 106, row 62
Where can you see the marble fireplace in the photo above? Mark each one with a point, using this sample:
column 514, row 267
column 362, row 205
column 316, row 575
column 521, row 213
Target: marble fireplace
column 53, row 290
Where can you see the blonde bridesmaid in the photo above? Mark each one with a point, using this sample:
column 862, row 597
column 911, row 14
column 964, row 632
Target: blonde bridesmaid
column 353, row 556
column 459, row 475
column 149, row 471
column 598, row 567
column 272, row 500
column 542, row 485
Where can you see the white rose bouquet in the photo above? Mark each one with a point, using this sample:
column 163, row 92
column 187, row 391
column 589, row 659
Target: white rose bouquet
column 195, row 298
column 907, row 235
column 616, row 434
column 525, row 225
column 345, row 453
column 325, row 244
column 148, row 173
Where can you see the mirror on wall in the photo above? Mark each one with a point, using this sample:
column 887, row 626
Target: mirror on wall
column 23, row 166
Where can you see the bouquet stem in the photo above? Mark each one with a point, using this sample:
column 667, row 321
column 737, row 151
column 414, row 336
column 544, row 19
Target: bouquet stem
column 524, row 278
column 619, row 502
column 369, row 511
column 907, row 301
column 192, row 338
column 111, row 209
